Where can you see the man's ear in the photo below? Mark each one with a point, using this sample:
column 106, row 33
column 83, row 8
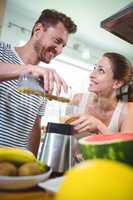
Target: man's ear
column 117, row 84
column 38, row 29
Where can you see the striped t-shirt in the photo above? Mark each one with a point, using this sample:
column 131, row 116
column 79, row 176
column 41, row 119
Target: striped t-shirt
column 18, row 111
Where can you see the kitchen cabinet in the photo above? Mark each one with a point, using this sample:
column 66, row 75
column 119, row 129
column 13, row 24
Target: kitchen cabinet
column 121, row 23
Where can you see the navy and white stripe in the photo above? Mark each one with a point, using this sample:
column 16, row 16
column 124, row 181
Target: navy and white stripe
column 17, row 111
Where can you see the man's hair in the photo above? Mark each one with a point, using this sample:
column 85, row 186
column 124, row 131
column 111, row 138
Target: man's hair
column 52, row 18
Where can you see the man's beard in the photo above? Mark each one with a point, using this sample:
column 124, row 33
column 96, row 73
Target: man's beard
column 40, row 51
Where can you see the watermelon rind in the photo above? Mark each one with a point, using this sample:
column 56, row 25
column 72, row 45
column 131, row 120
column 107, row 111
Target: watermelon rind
column 117, row 149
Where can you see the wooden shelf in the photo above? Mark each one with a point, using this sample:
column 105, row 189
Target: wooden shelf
column 121, row 23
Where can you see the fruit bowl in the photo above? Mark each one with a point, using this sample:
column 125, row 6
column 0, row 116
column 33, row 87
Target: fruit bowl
column 23, row 182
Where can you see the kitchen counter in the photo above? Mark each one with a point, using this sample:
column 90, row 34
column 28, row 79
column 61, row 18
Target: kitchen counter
column 35, row 193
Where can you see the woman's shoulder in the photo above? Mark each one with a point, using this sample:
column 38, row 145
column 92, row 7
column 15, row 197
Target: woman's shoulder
column 127, row 104
column 126, row 113
column 128, row 108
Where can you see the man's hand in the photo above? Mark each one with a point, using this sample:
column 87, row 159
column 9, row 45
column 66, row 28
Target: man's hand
column 49, row 77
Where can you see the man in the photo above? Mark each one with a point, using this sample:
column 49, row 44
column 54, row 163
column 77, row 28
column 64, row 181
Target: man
column 20, row 114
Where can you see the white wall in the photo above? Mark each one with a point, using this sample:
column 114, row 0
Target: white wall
column 15, row 35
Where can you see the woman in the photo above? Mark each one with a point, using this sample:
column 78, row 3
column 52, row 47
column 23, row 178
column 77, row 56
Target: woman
column 110, row 110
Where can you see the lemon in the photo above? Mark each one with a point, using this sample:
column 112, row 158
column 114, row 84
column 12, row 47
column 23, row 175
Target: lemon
column 97, row 180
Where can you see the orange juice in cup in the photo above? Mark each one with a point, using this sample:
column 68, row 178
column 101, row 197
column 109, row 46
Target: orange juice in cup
column 67, row 119
column 67, row 112
column 70, row 120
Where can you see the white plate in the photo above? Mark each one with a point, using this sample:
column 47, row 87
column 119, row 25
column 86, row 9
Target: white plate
column 22, row 182
column 52, row 185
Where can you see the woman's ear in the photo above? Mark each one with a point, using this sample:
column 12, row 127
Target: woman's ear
column 118, row 84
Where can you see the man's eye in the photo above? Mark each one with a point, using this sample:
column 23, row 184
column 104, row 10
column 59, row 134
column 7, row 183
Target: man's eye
column 58, row 41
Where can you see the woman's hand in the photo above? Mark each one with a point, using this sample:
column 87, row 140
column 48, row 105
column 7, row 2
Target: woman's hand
column 85, row 122
column 88, row 123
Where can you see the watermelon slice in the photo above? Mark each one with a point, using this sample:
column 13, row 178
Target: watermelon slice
column 118, row 146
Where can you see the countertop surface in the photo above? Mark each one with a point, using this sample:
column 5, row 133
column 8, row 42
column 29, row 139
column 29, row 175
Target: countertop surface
column 35, row 193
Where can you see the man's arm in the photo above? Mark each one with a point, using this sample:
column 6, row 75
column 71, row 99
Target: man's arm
column 35, row 136
column 10, row 71
column 49, row 76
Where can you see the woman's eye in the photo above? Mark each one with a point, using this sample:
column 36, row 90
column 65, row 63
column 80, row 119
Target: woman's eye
column 94, row 68
column 101, row 70
column 98, row 69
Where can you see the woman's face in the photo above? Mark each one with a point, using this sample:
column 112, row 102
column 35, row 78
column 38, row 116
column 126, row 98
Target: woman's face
column 101, row 79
